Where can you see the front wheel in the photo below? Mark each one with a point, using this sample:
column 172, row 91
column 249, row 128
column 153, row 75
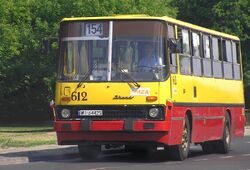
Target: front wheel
column 180, row 152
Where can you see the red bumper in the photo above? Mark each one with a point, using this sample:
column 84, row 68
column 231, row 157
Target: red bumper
column 73, row 132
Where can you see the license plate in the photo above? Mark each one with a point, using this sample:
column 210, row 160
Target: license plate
column 90, row 113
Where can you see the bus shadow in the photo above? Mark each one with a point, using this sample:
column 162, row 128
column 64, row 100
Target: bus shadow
column 71, row 155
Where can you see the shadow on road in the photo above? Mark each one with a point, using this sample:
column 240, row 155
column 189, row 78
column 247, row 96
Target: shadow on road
column 71, row 155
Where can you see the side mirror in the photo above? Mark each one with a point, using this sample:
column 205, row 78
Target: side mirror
column 174, row 45
column 45, row 48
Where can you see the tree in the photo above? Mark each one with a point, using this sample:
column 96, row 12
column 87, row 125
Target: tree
column 27, row 78
column 232, row 17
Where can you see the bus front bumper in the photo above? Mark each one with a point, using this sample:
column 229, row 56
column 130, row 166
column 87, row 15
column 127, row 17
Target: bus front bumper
column 77, row 131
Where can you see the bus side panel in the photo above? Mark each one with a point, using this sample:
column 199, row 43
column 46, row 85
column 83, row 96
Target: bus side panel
column 238, row 121
column 176, row 125
column 214, row 123
column 198, row 123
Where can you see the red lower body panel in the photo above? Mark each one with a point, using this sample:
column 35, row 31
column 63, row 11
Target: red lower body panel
column 206, row 122
column 147, row 131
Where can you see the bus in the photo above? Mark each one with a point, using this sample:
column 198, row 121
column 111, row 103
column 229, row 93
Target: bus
column 188, row 90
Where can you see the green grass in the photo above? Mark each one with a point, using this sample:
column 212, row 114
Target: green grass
column 17, row 135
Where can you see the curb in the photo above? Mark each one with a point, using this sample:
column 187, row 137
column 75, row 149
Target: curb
column 35, row 148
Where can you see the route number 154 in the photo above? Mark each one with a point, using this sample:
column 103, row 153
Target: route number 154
column 94, row 29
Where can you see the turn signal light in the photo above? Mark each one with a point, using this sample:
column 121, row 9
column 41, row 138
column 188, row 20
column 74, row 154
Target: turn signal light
column 151, row 98
column 65, row 99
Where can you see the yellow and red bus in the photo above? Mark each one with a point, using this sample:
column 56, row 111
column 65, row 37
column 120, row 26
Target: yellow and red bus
column 188, row 90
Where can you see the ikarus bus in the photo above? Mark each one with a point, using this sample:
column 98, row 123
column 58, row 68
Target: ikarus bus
column 147, row 82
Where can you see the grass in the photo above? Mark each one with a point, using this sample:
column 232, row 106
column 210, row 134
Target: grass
column 19, row 135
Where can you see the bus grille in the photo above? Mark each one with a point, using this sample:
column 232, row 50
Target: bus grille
column 113, row 112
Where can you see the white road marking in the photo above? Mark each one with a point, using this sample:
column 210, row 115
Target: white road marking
column 197, row 160
column 226, row 157
column 248, row 154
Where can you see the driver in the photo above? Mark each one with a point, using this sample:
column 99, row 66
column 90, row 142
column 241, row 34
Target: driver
column 149, row 59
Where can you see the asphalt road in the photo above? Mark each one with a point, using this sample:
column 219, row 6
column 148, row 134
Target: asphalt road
column 57, row 158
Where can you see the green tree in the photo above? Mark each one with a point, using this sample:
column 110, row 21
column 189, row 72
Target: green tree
column 232, row 17
column 26, row 77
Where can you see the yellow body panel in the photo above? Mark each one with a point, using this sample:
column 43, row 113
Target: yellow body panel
column 104, row 93
column 178, row 88
column 163, row 18
column 208, row 90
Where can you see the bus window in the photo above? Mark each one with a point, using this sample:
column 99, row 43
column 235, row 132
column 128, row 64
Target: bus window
column 206, row 46
column 185, row 42
column 196, row 44
column 173, row 61
column 206, row 61
column 185, row 62
column 227, row 59
column 82, row 58
column 69, row 58
column 196, row 60
column 139, row 51
column 217, row 64
column 236, row 61
column 228, row 51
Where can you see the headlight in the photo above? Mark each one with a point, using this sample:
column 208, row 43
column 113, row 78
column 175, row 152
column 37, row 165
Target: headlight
column 65, row 113
column 153, row 112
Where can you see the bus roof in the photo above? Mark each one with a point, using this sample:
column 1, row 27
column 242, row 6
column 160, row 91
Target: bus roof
column 163, row 18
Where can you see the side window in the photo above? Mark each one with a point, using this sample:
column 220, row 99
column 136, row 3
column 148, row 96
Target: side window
column 185, row 59
column 196, row 59
column 215, row 46
column 227, row 58
column 196, row 44
column 173, row 61
column 206, row 46
column 217, row 63
column 206, row 60
column 229, row 52
column 185, row 42
column 236, row 60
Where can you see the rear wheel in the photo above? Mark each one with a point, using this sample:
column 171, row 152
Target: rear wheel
column 180, row 152
column 89, row 152
column 225, row 142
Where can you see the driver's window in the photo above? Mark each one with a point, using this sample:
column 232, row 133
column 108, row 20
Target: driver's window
column 172, row 56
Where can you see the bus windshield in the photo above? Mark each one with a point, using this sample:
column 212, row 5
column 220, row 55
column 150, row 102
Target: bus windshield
column 112, row 51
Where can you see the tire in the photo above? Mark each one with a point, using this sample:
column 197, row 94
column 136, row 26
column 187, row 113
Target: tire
column 180, row 152
column 225, row 143
column 209, row 147
column 89, row 152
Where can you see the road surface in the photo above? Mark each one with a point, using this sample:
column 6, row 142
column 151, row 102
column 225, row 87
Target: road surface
column 57, row 158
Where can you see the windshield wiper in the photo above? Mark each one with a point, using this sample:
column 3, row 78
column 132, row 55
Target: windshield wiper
column 85, row 77
column 135, row 83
